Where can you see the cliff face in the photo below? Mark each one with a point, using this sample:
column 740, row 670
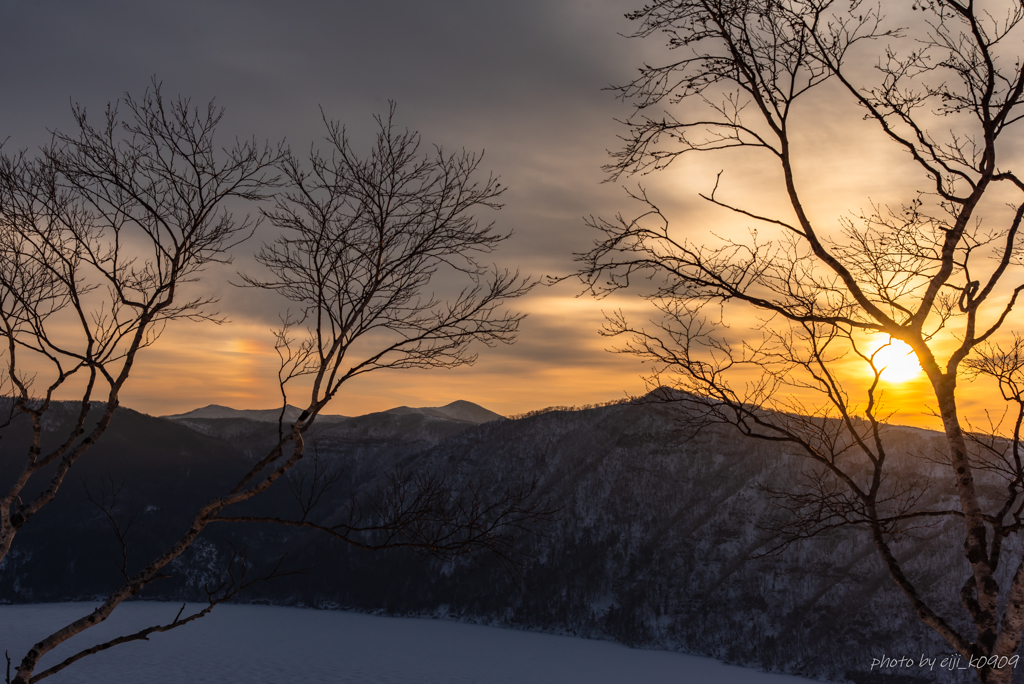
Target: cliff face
column 657, row 542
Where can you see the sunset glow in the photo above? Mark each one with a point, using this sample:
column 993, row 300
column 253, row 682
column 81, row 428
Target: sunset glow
column 688, row 326
column 547, row 142
column 896, row 360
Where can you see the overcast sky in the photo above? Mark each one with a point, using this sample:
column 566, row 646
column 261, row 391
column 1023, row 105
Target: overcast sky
column 521, row 80
column 525, row 81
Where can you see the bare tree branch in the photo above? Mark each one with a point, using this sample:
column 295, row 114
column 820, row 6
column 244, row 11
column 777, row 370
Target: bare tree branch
column 948, row 90
column 364, row 243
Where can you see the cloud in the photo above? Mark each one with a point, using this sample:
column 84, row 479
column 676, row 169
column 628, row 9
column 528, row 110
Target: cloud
column 522, row 80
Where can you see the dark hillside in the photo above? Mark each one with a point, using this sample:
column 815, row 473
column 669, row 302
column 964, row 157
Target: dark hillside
column 656, row 544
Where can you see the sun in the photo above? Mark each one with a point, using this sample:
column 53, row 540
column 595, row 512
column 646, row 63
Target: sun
column 897, row 361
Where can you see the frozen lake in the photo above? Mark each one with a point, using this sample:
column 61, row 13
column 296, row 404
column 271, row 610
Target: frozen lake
column 255, row 644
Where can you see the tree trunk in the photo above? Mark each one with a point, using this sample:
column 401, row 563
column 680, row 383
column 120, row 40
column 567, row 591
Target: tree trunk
column 985, row 611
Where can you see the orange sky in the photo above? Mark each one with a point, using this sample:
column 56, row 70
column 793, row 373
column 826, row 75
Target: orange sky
column 559, row 360
column 523, row 81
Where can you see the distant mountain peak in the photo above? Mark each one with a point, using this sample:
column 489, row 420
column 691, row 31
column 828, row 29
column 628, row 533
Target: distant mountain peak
column 460, row 410
column 216, row 411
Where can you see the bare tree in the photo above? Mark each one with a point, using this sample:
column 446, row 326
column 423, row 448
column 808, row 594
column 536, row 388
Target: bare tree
column 362, row 241
column 363, row 238
column 98, row 236
column 947, row 91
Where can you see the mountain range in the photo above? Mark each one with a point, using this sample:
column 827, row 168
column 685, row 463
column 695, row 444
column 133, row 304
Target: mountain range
column 459, row 410
column 658, row 541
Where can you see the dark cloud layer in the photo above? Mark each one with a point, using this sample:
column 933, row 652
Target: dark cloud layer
column 522, row 80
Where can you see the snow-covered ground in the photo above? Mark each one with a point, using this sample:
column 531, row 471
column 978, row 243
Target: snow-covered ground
column 254, row 644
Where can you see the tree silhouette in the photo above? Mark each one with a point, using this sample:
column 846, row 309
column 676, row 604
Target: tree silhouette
column 105, row 228
column 99, row 234
column 947, row 91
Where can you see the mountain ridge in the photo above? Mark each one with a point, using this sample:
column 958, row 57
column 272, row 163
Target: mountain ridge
column 655, row 545
column 460, row 409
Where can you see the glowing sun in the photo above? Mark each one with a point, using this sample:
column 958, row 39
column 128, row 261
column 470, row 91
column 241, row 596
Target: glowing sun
column 897, row 361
